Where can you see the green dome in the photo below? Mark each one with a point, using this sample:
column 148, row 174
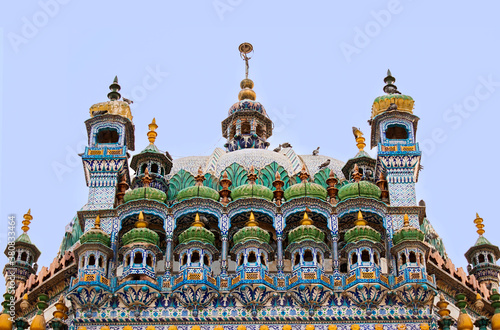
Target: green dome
column 304, row 189
column 199, row 234
column 145, row 193
column 140, row 235
column 198, row 191
column 408, row 234
column 362, row 233
column 359, row 189
column 252, row 190
column 24, row 238
column 251, row 233
column 95, row 235
column 393, row 96
column 306, row 232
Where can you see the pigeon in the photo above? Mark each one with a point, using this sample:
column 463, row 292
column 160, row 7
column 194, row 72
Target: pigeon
column 357, row 133
column 128, row 101
column 393, row 106
column 277, row 149
column 316, row 151
column 325, row 164
column 98, row 113
column 286, row 145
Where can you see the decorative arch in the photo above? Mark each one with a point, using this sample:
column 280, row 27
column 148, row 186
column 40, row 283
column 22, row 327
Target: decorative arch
column 237, row 174
column 321, row 176
column 211, row 181
column 268, row 175
column 179, row 181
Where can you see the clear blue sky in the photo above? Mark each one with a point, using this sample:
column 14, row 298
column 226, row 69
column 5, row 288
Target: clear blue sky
column 317, row 67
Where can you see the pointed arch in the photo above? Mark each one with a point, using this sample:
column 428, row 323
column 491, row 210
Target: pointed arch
column 268, row 174
column 179, row 181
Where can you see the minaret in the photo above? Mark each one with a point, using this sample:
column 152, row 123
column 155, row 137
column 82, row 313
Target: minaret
column 111, row 135
column 393, row 132
column 247, row 125
column 23, row 256
column 153, row 160
column 482, row 258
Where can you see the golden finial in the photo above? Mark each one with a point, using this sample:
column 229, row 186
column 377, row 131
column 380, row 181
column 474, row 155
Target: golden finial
column 360, row 221
column 152, row 134
column 197, row 222
column 305, row 220
column 442, row 304
column 251, row 221
column 27, row 220
column 97, row 223
column 479, row 224
column 141, row 223
column 360, row 140
column 246, row 84
column 406, row 220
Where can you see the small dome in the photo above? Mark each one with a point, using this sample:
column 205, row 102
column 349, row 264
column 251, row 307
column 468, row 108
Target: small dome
column 359, row 189
column 198, row 191
column 407, row 233
column 306, row 231
column 247, row 105
column 393, row 101
column 197, row 232
column 304, row 189
column 252, row 190
column 145, row 193
column 96, row 235
column 251, row 231
column 362, row 232
column 24, row 238
column 141, row 234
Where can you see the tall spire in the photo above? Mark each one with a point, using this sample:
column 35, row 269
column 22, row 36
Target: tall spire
column 152, row 134
column 114, row 95
column 389, row 87
column 246, row 84
column 27, row 220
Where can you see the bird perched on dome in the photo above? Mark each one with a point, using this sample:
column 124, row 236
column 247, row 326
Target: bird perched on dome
column 316, row 151
column 127, row 100
column 325, row 164
column 286, row 145
column 392, row 106
column 278, row 149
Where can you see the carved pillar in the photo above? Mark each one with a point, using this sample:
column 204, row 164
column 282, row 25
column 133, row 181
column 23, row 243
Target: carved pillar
column 280, row 264
column 223, row 262
column 335, row 253
column 168, row 257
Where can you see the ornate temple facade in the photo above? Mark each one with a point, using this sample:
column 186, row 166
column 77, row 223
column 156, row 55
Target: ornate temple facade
column 252, row 238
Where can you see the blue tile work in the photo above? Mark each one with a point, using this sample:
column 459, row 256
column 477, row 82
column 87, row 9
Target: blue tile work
column 304, row 263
